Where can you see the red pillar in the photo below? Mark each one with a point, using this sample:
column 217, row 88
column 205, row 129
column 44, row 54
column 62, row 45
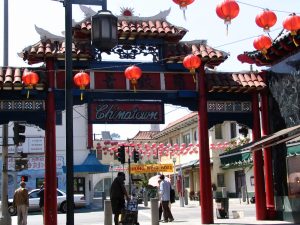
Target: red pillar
column 50, row 153
column 260, row 199
column 207, row 216
column 267, row 158
column 90, row 136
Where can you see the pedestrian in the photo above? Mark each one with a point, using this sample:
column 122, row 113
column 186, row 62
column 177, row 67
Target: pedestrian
column 21, row 202
column 165, row 188
column 41, row 202
column 118, row 194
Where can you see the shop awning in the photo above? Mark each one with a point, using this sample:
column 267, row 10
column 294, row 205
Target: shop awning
column 188, row 164
column 90, row 165
column 293, row 150
column 272, row 139
column 235, row 158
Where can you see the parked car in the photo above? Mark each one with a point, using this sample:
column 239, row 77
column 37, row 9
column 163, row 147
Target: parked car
column 79, row 201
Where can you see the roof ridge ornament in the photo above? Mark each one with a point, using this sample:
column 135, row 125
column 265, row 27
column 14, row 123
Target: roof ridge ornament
column 44, row 34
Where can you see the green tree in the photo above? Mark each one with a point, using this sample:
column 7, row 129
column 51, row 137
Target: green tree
column 115, row 136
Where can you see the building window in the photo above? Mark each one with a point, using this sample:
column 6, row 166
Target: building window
column 220, row 180
column 293, row 170
column 102, row 186
column 252, row 180
column 233, row 132
column 40, row 181
column 186, row 138
column 186, row 182
column 218, row 131
column 195, row 136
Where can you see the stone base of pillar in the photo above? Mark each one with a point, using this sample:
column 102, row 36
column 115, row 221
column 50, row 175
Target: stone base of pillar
column 5, row 221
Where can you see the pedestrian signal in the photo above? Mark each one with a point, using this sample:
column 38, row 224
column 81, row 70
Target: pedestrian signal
column 24, row 178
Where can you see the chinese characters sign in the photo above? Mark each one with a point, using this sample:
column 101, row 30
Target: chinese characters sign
column 151, row 168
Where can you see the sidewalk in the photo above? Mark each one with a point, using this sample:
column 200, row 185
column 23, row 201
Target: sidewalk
column 191, row 214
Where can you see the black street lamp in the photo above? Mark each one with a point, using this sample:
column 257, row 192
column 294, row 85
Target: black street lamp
column 104, row 37
column 104, row 30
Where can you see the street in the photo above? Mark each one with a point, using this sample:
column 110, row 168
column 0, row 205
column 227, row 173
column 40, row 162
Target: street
column 188, row 215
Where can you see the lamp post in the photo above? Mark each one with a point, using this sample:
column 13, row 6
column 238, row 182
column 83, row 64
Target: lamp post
column 104, row 29
column 5, row 217
column 112, row 171
column 174, row 162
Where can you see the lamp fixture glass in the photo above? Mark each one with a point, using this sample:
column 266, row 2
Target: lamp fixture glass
column 104, row 30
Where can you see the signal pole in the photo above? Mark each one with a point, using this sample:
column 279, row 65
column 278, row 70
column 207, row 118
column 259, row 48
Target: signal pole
column 5, row 217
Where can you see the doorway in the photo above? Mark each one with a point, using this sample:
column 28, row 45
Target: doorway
column 240, row 181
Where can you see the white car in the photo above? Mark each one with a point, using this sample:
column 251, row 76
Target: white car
column 79, row 201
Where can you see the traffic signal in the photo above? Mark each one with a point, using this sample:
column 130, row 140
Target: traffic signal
column 136, row 156
column 19, row 131
column 121, row 154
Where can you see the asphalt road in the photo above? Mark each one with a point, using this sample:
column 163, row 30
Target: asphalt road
column 188, row 215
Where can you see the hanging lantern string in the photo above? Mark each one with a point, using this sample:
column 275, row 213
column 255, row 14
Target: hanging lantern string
column 37, row 69
column 259, row 7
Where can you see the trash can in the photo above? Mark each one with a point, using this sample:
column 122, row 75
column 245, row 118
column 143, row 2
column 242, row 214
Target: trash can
column 222, row 205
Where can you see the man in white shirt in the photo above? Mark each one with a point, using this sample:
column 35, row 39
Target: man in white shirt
column 164, row 189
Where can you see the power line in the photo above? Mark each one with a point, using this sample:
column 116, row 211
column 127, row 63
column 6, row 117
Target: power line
column 259, row 7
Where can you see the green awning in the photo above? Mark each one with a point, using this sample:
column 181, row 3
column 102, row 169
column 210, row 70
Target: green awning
column 293, row 150
column 237, row 159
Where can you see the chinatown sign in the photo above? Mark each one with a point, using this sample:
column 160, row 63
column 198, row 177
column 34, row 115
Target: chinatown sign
column 151, row 168
column 124, row 112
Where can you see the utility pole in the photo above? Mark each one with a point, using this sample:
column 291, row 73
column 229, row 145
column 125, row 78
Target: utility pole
column 5, row 217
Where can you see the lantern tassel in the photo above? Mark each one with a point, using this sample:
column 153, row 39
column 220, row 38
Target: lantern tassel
column 295, row 43
column 192, row 71
column 81, row 93
column 264, row 52
column 227, row 29
column 134, row 90
column 28, row 93
column 184, row 16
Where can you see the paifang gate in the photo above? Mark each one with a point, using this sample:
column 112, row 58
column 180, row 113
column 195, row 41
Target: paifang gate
column 217, row 96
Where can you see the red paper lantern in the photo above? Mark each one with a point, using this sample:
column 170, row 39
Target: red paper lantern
column 266, row 19
column 183, row 5
column 30, row 79
column 292, row 24
column 133, row 73
column 227, row 10
column 191, row 62
column 81, row 79
column 262, row 43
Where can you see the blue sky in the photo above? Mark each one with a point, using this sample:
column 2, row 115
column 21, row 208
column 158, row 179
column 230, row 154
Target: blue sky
column 201, row 21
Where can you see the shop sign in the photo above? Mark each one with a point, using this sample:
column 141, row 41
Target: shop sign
column 151, row 168
column 121, row 112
